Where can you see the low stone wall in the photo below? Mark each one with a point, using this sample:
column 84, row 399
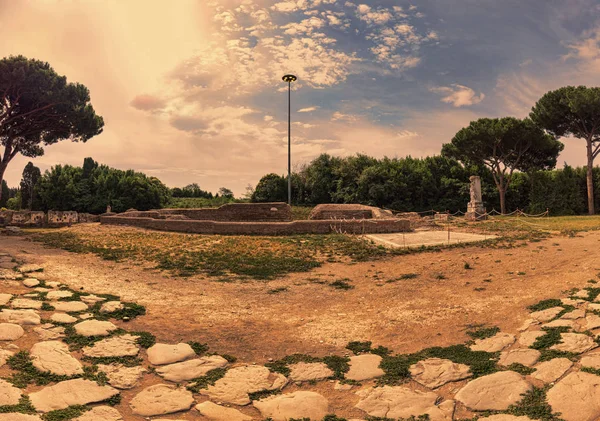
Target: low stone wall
column 348, row 211
column 40, row 219
column 62, row 218
column 238, row 212
column 264, row 228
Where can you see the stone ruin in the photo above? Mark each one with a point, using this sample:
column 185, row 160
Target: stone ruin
column 475, row 209
column 41, row 219
column 263, row 219
column 349, row 211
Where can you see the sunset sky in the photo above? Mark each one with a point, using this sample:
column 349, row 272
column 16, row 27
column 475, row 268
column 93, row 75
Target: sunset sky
column 191, row 91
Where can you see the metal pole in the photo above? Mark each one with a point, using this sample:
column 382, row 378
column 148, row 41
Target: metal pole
column 290, row 143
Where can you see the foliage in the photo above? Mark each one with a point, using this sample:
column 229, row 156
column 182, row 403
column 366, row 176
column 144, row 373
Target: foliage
column 4, row 194
column 39, row 108
column 573, row 111
column 419, row 185
column 504, row 145
column 483, row 332
column 92, row 187
column 29, row 189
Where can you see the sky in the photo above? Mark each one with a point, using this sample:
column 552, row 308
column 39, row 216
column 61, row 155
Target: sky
column 191, row 90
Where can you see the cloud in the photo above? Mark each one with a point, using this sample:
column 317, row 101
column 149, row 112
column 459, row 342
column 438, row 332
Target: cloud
column 458, row 95
column 147, row 102
column 308, row 109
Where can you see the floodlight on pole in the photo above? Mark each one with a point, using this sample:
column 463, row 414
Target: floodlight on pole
column 289, row 79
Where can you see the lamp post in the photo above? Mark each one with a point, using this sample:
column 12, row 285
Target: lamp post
column 289, row 79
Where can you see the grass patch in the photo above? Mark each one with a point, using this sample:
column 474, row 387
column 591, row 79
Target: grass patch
column 396, row 368
column 534, row 406
column 481, row 332
column 545, row 304
column 23, row 407
column 341, row 284
column 27, row 374
column 127, row 361
column 145, row 339
column 282, row 366
column 199, row 348
column 358, row 347
column 550, row 354
column 520, row 368
column 552, row 337
column 261, row 394
column 66, row 414
column 467, row 266
column 207, row 380
column 277, row 290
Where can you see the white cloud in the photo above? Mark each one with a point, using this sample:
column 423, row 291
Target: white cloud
column 268, row 118
column 308, row 109
column 458, row 95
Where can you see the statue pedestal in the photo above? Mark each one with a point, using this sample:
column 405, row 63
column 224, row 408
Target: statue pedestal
column 475, row 212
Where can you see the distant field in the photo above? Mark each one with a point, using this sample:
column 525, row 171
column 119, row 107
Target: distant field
column 562, row 224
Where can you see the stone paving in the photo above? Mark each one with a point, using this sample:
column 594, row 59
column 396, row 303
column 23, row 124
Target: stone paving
column 64, row 355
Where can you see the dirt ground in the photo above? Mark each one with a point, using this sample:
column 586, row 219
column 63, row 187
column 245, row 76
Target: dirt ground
column 244, row 320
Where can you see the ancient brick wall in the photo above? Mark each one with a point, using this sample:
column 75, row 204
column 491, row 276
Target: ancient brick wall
column 264, row 228
column 28, row 218
column 62, row 218
column 243, row 212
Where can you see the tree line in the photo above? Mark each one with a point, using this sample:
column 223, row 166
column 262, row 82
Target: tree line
column 418, row 185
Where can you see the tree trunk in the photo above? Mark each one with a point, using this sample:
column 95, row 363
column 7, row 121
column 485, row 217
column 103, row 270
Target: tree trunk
column 2, row 169
column 502, row 191
column 590, row 178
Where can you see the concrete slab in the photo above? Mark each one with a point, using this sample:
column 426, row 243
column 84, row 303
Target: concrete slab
column 426, row 238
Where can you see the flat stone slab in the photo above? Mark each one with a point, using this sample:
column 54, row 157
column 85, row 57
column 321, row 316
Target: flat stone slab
column 101, row 413
column 190, row 369
column 9, row 395
column 239, row 381
column 111, row 306
column 5, row 298
column 5, row 354
column 70, row 392
column 56, row 295
column 216, row 412
column 30, row 267
column 592, row 321
column 575, row 342
column 94, row 328
column 63, row 318
column 364, row 367
column 69, row 306
column 576, row 397
column 297, row 405
column 402, row 402
column 303, row 372
column 546, row 315
column 13, row 416
column 122, row 377
column 91, row 299
column 31, row 282
column 574, row 315
column 26, row 303
column 10, row 332
column 525, row 356
column 49, row 332
column 161, row 354
column 116, row 346
column 527, row 339
column 54, row 357
column 552, row 370
column 161, row 399
column 436, row 372
column 560, row 323
column 493, row 392
column 21, row 317
column 591, row 360
column 494, row 344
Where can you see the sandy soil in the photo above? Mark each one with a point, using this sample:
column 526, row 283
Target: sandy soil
column 244, row 320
